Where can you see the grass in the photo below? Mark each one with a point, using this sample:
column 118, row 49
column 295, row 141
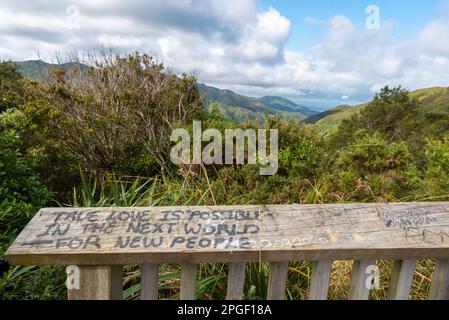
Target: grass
column 212, row 278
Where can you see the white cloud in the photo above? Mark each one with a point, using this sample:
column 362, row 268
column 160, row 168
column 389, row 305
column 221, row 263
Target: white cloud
column 232, row 44
column 432, row 38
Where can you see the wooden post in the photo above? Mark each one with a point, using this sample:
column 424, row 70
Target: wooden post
column 319, row 287
column 236, row 281
column 277, row 281
column 401, row 279
column 439, row 289
column 149, row 283
column 360, row 289
column 98, row 283
column 188, row 281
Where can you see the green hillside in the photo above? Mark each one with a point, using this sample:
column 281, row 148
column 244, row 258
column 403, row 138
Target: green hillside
column 232, row 105
column 239, row 107
column 283, row 104
column 432, row 100
column 315, row 118
column 38, row 69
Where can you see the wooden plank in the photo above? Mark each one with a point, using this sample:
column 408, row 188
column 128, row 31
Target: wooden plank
column 188, row 281
column 236, row 281
column 319, row 287
column 439, row 289
column 401, row 279
column 98, row 283
column 104, row 236
column 277, row 281
column 149, row 283
column 360, row 286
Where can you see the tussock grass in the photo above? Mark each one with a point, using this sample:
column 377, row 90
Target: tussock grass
column 212, row 278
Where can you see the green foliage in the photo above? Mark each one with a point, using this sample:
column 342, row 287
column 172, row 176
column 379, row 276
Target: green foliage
column 431, row 101
column 136, row 161
column 301, row 149
column 33, row 283
column 392, row 113
column 115, row 192
column 372, row 169
column 124, row 100
column 99, row 137
column 11, row 90
column 241, row 108
column 21, row 195
column 17, row 180
column 436, row 177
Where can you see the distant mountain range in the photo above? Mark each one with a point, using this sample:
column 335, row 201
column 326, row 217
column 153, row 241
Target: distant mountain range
column 37, row 68
column 241, row 107
column 233, row 105
column 435, row 100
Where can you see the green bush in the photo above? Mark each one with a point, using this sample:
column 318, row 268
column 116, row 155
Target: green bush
column 33, row 283
column 436, row 177
column 18, row 183
column 11, row 91
column 373, row 169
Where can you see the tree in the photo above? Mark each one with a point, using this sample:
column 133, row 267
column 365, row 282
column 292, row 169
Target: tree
column 372, row 168
column 436, row 174
column 118, row 101
column 11, row 90
column 393, row 113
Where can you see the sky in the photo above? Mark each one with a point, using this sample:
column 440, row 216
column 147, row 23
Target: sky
column 319, row 53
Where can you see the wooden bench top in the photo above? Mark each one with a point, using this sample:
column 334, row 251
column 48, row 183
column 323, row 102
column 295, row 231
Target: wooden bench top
column 119, row 236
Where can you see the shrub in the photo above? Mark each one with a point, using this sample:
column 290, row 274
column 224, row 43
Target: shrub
column 116, row 102
column 436, row 174
column 21, row 193
column 18, row 183
column 11, row 91
column 373, row 169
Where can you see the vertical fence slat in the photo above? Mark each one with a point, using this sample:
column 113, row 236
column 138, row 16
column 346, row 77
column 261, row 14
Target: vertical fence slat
column 401, row 279
column 359, row 289
column 439, row 288
column 277, row 281
column 188, row 281
column 98, row 283
column 236, row 281
column 149, row 283
column 319, row 287
column 116, row 282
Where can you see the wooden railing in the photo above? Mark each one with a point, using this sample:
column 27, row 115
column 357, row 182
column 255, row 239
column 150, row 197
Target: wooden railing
column 97, row 242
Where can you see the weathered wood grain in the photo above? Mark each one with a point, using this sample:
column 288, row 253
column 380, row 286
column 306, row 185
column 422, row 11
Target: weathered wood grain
column 149, row 283
column 98, row 283
column 360, row 286
column 319, row 287
column 277, row 281
column 401, row 279
column 118, row 236
column 188, row 281
column 236, row 281
column 439, row 289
